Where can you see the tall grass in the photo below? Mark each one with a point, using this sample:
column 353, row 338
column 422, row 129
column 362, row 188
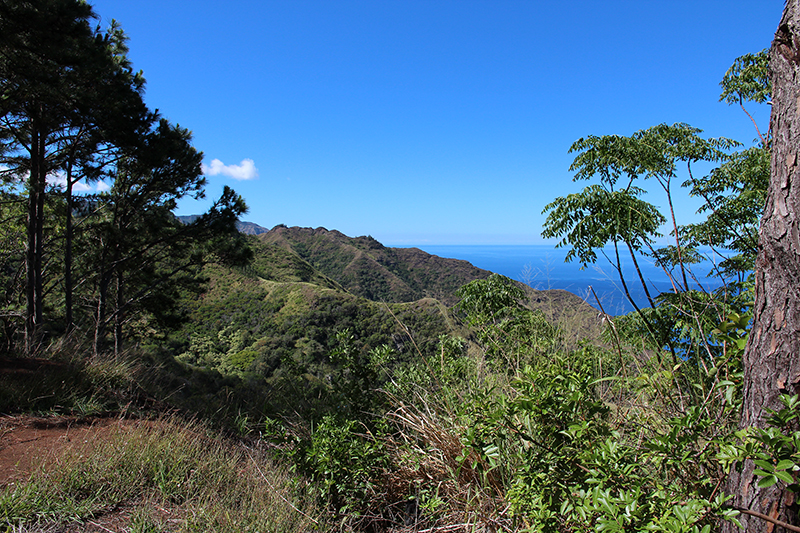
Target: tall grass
column 523, row 428
column 162, row 475
column 63, row 380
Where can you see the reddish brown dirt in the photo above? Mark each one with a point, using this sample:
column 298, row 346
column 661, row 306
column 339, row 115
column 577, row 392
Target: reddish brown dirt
column 27, row 442
column 30, row 442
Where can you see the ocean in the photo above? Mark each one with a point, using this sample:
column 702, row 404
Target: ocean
column 542, row 267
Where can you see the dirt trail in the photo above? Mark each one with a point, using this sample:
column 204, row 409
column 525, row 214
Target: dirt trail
column 27, row 442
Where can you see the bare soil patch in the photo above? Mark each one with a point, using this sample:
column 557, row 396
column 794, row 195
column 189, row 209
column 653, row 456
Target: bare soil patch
column 28, row 442
column 31, row 442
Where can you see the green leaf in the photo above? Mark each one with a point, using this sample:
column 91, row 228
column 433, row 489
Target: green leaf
column 766, row 465
column 767, row 481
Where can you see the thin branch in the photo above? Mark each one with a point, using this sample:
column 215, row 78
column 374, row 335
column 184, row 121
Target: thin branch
column 741, row 104
column 617, row 342
column 278, row 492
column 768, row 518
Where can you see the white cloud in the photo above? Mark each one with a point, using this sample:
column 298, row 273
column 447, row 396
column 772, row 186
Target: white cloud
column 246, row 170
column 59, row 179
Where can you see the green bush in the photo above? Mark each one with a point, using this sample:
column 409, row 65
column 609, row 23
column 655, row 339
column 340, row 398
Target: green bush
column 344, row 459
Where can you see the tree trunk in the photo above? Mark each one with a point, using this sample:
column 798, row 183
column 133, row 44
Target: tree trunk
column 30, row 250
column 68, row 230
column 39, row 256
column 118, row 316
column 33, row 254
column 102, row 293
column 772, row 355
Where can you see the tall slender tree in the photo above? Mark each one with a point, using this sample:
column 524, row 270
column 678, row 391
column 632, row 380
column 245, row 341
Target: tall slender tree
column 92, row 146
column 772, row 355
column 61, row 83
column 71, row 105
column 613, row 213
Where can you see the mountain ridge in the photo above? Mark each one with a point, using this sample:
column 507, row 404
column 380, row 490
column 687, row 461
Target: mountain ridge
column 369, row 269
column 364, row 267
column 248, row 228
column 285, row 312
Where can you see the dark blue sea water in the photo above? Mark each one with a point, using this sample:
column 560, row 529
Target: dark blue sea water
column 543, row 267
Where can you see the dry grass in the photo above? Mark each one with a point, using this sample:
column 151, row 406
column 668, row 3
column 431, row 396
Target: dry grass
column 453, row 492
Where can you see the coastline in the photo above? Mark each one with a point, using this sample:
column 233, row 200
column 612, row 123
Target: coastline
column 542, row 267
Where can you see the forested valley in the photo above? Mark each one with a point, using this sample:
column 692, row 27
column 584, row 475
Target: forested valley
column 298, row 379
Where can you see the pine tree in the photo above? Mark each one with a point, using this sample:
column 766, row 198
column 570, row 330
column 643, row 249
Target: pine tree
column 65, row 89
column 771, row 362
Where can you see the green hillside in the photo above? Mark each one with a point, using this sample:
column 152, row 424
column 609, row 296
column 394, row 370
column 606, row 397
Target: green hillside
column 286, row 311
column 366, row 268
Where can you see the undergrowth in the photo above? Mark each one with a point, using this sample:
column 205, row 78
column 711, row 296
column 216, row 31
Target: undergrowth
column 63, row 381
column 515, row 430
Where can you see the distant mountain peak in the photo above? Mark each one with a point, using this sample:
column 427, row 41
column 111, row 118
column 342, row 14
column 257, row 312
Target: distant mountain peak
column 248, row 228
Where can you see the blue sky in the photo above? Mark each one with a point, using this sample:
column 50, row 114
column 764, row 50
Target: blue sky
column 429, row 122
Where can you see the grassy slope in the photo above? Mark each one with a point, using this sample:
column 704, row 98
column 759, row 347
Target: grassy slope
column 306, row 285
column 366, row 268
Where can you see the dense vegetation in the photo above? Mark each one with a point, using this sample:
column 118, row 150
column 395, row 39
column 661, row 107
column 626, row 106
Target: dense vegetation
column 344, row 385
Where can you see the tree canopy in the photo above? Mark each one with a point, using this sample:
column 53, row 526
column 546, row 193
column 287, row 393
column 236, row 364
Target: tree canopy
column 71, row 110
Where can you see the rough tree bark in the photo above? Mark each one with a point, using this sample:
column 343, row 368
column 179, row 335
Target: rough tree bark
column 772, row 355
